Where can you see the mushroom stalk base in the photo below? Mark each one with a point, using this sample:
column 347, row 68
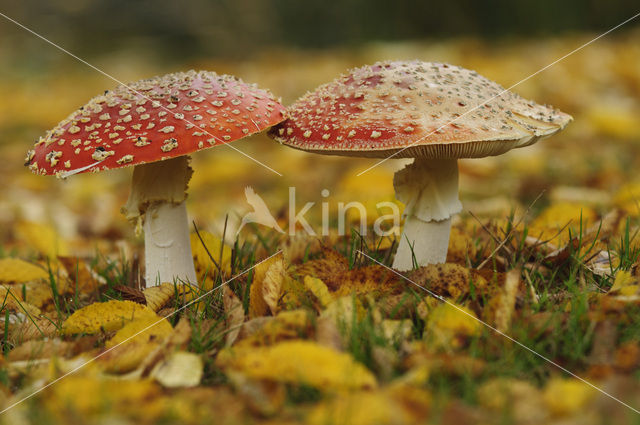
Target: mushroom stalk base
column 427, row 241
column 167, row 245
column 429, row 190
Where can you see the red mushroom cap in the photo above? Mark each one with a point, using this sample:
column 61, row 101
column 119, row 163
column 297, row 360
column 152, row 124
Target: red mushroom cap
column 152, row 120
column 415, row 109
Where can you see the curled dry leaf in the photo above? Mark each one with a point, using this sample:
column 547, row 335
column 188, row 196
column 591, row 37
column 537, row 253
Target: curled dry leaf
column 298, row 362
column 158, row 296
column 272, row 285
column 258, row 305
column 104, row 317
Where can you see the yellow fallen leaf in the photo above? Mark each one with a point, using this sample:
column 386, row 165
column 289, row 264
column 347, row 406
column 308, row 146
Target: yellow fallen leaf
column 298, row 362
column 623, row 279
column 286, row 325
column 84, row 396
column 360, row 408
column 205, row 268
column 134, row 342
column 550, row 224
column 143, row 330
column 567, row 396
column 447, row 322
column 18, row 271
column 179, row 369
column 318, row 289
column 44, row 238
column 104, row 317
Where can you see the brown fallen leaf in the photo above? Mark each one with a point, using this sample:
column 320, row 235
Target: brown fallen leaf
column 449, row 280
column 374, row 280
column 326, row 269
column 130, row 294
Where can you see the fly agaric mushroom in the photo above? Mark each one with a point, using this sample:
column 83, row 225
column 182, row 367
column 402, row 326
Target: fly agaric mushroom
column 154, row 124
column 432, row 112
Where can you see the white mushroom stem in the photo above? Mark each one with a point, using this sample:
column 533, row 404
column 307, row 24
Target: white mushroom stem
column 429, row 190
column 156, row 203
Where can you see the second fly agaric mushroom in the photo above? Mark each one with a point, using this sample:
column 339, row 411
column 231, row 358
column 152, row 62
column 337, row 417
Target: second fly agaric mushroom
column 433, row 112
column 154, row 124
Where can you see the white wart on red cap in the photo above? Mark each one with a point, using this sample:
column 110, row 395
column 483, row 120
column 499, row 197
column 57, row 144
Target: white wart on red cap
column 155, row 119
column 417, row 108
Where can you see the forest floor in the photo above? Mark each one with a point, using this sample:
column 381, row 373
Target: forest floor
column 535, row 317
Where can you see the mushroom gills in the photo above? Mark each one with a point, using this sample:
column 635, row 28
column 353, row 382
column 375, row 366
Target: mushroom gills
column 429, row 190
